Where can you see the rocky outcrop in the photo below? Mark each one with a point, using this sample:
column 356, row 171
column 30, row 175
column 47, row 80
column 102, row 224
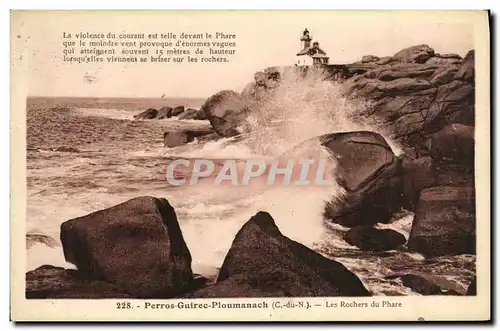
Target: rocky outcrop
column 430, row 284
column 148, row 114
column 263, row 85
column 414, row 54
column 179, row 138
column 49, row 282
column 137, row 246
column 226, row 111
column 373, row 239
column 417, row 92
column 417, row 174
column 189, row 114
column 177, row 111
column 168, row 112
column 164, row 112
column 445, row 59
column 472, row 288
column 427, row 101
column 444, row 222
column 466, row 71
column 66, row 149
column 454, row 143
column 264, row 263
column 369, row 59
column 369, row 172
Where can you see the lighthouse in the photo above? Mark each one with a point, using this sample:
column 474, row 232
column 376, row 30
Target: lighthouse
column 310, row 55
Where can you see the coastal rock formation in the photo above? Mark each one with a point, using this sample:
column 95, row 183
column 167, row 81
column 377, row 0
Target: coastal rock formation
column 466, row 71
column 177, row 111
column 200, row 115
column 445, row 59
column 226, row 110
column 66, row 149
column 264, row 263
column 264, row 83
column 49, row 282
column 444, row 222
column 369, row 172
column 179, row 138
column 176, row 138
column 164, row 112
column 148, row 114
column 427, row 101
column 189, row 114
column 373, row 239
column 418, row 92
column 136, row 245
column 168, row 112
column 418, row 174
column 430, row 284
column 455, row 142
column 472, row 288
column 414, row 54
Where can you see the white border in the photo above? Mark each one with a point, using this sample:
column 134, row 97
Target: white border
column 257, row 4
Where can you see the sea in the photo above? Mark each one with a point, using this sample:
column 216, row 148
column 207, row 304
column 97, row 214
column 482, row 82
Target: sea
column 109, row 158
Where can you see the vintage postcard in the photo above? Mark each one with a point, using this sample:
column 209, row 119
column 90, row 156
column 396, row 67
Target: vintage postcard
column 250, row 166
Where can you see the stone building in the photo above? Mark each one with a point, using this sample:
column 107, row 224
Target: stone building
column 310, row 55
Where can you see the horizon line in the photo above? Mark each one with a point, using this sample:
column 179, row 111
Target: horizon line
column 115, row 97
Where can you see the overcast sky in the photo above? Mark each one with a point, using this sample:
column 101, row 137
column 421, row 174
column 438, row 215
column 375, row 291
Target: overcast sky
column 263, row 39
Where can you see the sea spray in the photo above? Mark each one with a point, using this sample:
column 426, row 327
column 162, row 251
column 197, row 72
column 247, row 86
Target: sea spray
column 284, row 124
column 210, row 232
column 302, row 107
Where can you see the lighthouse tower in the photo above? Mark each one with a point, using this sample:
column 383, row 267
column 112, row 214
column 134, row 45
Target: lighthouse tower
column 306, row 39
column 310, row 55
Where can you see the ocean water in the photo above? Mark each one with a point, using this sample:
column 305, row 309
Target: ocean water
column 120, row 159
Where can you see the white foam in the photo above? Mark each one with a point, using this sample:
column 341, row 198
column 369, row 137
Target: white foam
column 211, row 216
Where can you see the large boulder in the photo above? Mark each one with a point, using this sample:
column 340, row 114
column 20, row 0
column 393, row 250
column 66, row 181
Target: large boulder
column 404, row 70
column 179, row 138
column 466, row 71
column 264, row 263
column 370, row 173
column 375, row 89
column 455, row 142
column 369, row 59
column 200, row 115
column 418, row 174
column 177, row 111
column 444, row 222
column 472, row 288
column 148, row 114
column 415, row 54
column 176, row 138
column 450, row 174
column 443, row 75
column 430, row 284
column 189, row 114
column 263, row 85
column 226, row 111
column 164, row 112
column 453, row 103
column 373, row 239
column 49, row 282
column 136, row 245
column 444, row 59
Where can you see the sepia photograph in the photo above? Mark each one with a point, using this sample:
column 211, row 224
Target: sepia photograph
column 285, row 163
